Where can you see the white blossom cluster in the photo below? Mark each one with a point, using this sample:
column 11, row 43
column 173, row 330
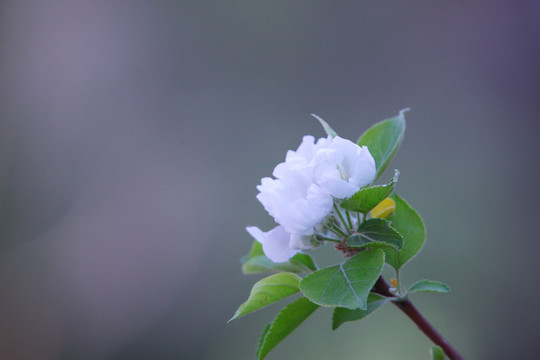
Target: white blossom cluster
column 301, row 197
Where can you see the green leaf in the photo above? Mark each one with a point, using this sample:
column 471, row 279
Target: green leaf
column 260, row 343
column 383, row 140
column 410, row 225
column 256, row 262
column 267, row 291
column 347, row 284
column 376, row 232
column 367, row 198
column 436, row 353
column 329, row 131
column 428, row 286
column 343, row 315
column 288, row 319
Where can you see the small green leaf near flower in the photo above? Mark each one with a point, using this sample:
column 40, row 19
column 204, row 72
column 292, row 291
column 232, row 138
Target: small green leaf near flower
column 367, row 198
column 327, row 128
column 375, row 232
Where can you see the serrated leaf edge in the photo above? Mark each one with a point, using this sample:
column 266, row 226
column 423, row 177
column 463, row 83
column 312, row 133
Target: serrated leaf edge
column 262, row 338
column 393, row 197
column 387, row 223
column 268, row 329
column 390, row 186
column 383, row 299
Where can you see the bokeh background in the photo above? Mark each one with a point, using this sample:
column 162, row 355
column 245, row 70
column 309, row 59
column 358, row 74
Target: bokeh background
column 133, row 134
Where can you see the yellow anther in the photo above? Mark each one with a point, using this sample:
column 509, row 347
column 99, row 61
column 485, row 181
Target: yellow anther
column 393, row 282
column 383, row 209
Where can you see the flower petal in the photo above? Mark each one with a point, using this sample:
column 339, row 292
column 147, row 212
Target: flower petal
column 341, row 167
column 364, row 170
column 304, row 214
column 275, row 243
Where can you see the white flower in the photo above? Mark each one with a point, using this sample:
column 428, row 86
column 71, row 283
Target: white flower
column 302, row 194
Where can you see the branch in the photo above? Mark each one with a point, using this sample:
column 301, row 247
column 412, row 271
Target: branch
column 405, row 305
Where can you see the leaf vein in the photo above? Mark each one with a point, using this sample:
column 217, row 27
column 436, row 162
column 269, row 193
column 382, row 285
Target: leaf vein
column 328, row 284
column 349, row 283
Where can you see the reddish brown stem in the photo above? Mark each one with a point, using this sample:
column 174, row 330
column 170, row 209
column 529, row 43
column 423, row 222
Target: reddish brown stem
column 405, row 305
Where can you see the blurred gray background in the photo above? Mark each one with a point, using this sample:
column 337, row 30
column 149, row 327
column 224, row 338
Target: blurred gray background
column 133, row 134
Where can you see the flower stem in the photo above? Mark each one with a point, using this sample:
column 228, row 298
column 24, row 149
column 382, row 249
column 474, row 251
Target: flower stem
column 333, row 231
column 341, row 217
column 336, row 230
column 405, row 305
column 326, row 238
column 340, row 231
column 348, row 219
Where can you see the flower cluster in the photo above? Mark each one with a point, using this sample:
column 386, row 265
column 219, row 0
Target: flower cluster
column 302, row 196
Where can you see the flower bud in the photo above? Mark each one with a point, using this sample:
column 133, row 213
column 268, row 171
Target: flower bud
column 383, row 209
